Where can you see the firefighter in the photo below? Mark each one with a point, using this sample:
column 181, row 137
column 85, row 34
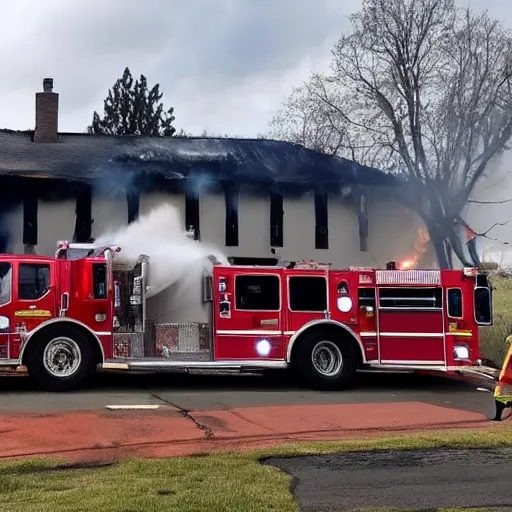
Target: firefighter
column 503, row 390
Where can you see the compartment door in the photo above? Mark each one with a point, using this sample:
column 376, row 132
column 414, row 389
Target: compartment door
column 411, row 327
column 248, row 322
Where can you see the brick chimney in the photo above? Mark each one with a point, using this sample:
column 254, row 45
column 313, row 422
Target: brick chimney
column 47, row 114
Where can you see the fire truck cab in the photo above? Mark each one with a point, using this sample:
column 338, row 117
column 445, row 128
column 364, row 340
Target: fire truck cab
column 87, row 308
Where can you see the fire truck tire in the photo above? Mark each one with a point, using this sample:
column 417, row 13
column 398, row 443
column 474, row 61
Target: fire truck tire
column 61, row 359
column 325, row 363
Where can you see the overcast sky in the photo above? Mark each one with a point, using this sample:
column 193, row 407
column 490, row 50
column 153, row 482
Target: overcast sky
column 225, row 65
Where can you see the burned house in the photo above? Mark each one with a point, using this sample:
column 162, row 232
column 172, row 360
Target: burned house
column 257, row 200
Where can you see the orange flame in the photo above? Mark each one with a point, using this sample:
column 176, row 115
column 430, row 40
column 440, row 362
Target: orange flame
column 420, row 248
column 407, row 264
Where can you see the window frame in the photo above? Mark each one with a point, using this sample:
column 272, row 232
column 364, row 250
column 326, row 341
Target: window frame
column 308, row 277
column 361, row 300
column 461, row 317
column 11, row 285
column 279, row 292
column 20, row 264
column 94, row 283
column 489, row 291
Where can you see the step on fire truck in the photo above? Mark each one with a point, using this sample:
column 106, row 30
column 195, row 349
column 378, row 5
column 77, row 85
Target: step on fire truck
column 63, row 318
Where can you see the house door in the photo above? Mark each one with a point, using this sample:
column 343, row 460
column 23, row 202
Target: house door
column 411, row 330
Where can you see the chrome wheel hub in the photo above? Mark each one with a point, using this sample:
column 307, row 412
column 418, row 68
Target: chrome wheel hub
column 62, row 357
column 327, row 359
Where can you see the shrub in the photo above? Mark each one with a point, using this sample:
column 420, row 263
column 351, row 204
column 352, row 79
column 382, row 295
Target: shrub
column 488, row 265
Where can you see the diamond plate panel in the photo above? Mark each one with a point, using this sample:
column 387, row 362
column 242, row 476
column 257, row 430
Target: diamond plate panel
column 181, row 338
column 129, row 345
column 430, row 277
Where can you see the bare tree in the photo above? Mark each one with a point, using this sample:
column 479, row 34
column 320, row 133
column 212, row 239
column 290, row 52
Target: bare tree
column 423, row 90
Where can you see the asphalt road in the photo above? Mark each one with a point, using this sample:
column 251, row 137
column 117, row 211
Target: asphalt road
column 192, row 392
column 425, row 480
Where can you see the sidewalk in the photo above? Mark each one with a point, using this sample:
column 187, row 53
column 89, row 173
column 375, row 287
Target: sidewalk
column 168, row 431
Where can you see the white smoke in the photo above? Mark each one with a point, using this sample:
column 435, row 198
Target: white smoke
column 172, row 254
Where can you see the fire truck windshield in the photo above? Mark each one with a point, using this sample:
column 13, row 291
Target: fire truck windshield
column 76, row 254
column 5, row 283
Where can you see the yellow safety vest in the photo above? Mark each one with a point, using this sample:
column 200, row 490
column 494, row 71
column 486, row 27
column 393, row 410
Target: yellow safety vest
column 503, row 391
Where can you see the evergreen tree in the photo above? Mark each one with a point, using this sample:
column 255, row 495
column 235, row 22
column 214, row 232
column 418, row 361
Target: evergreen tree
column 132, row 109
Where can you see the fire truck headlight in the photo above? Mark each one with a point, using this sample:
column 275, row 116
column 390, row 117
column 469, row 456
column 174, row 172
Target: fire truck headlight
column 100, row 317
column 344, row 304
column 461, row 352
column 263, row 348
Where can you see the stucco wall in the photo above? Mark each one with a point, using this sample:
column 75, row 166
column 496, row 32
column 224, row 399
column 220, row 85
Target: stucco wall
column 108, row 213
column 55, row 221
column 392, row 229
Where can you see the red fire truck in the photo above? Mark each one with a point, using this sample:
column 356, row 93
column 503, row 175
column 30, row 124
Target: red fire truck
column 62, row 318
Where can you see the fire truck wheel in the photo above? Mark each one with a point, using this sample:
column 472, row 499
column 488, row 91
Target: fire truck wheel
column 61, row 359
column 324, row 363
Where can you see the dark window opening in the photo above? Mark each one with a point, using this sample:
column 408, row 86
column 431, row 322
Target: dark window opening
column 30, row 206
column 417, row 298
column 367, row 297
column 133, row 200
column 5, row 283
column 455, row 303
column 83, row 220
column 33, row 281
column 308, row 294
column 276, row 219
column 231, row 198
column 192, row 213
column 257, row 293
column 483, row 308
column 362, row 216
column 481, row 280
column 99, row 280
column 321, row 221
column 342, row 288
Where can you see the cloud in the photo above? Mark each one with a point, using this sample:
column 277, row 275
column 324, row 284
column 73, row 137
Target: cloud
column 224, row 65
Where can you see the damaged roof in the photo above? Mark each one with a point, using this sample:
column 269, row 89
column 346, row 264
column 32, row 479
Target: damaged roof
column 84, row 157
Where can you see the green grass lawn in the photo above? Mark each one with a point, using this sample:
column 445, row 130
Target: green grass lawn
column 221, row 482
column 492, row 339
